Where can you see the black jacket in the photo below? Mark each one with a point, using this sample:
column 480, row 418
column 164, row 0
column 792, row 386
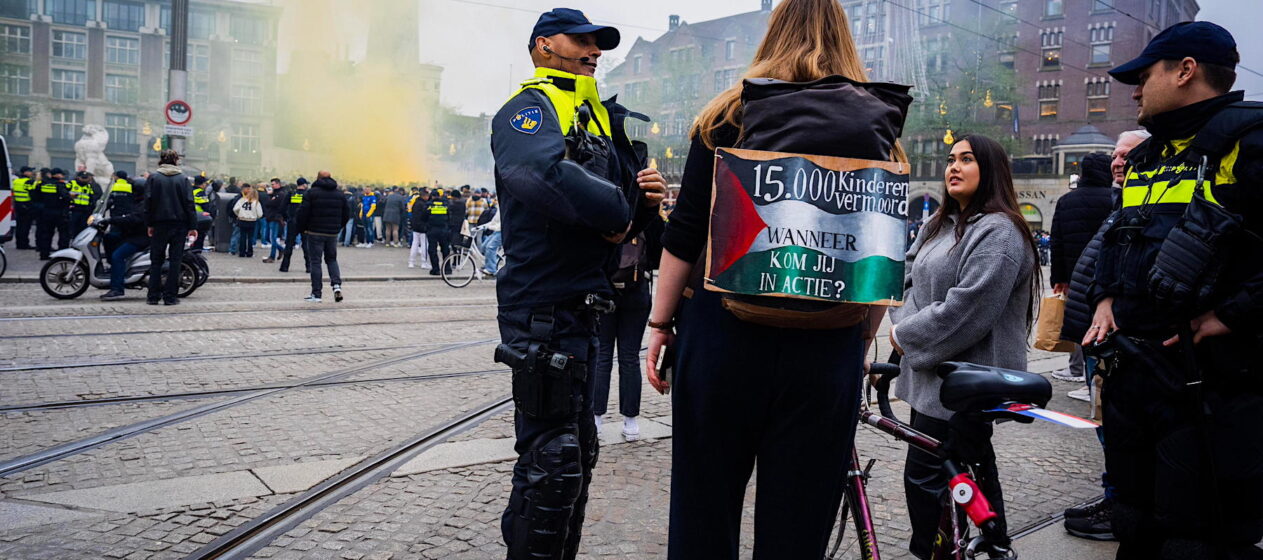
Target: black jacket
column 274, row 206
column 1079, row 215
column 127, row 216
column 323, row 210
column 456, row 214
column 420, row 217
column 169, row 199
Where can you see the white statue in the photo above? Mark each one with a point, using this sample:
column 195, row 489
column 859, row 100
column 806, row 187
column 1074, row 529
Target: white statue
column 90, row 154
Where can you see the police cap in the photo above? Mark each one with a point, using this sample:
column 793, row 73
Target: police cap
column 1203, row 41
column 573, row 22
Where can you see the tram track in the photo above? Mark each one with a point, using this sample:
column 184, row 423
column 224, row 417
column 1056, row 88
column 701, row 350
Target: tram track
column 202, row 357
column 194, row 395
column 295, row 310
column 62, row 451
column 237, row 329
column 257, row 533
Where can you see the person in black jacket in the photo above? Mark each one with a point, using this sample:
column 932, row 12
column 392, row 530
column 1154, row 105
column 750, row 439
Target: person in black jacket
column 170, row 216
column 127, row 235
column 320, row 217
column 1078, row 216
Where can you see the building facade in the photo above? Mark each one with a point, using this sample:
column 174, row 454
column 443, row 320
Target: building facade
column 65, row 64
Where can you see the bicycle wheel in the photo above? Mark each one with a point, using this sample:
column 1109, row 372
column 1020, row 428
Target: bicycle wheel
column 4, row 262
column 862, row 545
column 458, row 270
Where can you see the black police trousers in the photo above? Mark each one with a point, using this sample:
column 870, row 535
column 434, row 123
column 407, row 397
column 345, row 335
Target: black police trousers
column 1187, row 488
column 439, row 240
column 78, row 218
column 26, row 213
column 291, row 238
column 544, row 518
column 167, row 246
column 786, row 399
column 52, row 221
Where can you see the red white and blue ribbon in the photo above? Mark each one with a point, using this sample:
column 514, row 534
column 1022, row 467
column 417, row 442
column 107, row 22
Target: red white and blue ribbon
column 1047, row 415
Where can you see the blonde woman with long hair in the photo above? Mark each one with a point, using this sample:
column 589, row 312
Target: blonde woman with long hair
column 743, row 392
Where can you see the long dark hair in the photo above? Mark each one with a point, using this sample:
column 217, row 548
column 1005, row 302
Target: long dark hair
column 995, row 195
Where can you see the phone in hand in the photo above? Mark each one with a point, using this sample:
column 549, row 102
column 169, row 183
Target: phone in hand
column 666, row 367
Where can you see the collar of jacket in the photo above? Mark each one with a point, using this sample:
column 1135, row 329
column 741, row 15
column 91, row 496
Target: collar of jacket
column 580, row 90
column 169, row 170
column 1187, row 120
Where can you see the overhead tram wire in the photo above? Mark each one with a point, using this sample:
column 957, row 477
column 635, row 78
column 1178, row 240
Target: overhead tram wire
column 604, row 21
column 1027, row 22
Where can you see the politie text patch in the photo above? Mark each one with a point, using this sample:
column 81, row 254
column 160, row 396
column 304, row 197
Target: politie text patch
column 527, row 120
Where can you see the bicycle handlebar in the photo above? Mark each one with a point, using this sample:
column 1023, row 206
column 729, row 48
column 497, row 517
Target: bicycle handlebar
column 885, row 374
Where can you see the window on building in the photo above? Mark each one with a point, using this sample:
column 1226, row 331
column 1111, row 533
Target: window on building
column 247, row 63
column 855, row 14
column 164, row 18
column 123, row 90
column 1101, row 6
column 247, row 29
column 71, row 12
column 1102, row 37
column 69, row 84
column 1053, row 8
column 15, row 120
column 1049, row 98
column 15, row 39
column 122, row 50
column 1050, row 40
column 875, row 21
column 1004, row 112
column 245, row 138
column 199, row 90
column 636, row 64
column 1009, row 7
column 1098, row 94
column 201, row 24
column 246, row 99
column 124, row 16
column 122, row 128
column 198, row 58
column 15, row 79
column 19, row 9
column 730, row 49
column 932, row 12
column 67, row 125
column 935, row 54
column 873, row 60
column 68, row 44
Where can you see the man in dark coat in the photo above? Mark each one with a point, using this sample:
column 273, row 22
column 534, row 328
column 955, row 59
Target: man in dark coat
column 127, row 234
column 170, row 216
column 320, row 217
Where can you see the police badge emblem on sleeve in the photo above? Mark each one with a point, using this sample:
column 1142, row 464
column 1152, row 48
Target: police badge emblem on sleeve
column 527, row 120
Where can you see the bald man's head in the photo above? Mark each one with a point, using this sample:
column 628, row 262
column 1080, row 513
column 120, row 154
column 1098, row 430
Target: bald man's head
column 323, row 175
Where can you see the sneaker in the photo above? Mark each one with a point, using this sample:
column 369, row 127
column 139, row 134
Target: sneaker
column 337, row 293
column 631, row 430
column 112, row 294
column 151, row 301
column 412, row 265
column 1094, row 526
column 269, row 260
column 172, row 301
column 1085, row 511
column 312, row 299
column 1065, row 375
column 1081, row 394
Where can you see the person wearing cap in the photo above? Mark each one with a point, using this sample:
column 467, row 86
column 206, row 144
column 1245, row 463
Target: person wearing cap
column 84, row 195
column 125, row 217
column 23, row 207
column 572, row 187
column 292, row 235
column 54, row 199
column 1178, row 293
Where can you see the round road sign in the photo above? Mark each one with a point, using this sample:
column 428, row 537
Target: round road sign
column 179, row 113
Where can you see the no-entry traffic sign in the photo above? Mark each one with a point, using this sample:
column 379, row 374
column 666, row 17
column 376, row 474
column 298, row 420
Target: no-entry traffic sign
column 179, row 113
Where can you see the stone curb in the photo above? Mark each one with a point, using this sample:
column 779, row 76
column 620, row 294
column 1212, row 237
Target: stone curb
column 301, row 278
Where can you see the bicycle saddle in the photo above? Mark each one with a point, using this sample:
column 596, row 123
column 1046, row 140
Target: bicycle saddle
column 971, row 387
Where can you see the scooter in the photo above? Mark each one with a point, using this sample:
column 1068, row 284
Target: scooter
column 69, row 272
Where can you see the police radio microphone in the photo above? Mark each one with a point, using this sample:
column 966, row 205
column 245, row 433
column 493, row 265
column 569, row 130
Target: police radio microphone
column 584, row 60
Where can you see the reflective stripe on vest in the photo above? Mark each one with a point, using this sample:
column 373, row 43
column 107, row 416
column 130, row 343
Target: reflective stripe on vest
column 199, row 198
column 565, row 103
column 438, row 209
column 121, row 186
column 22, row 190
column 48, row 188
column 1174, row 180
column 82, row 193
column 296, row 198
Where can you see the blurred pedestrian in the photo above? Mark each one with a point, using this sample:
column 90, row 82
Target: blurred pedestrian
column 420, row 223
column 321, row 215
column 370, row 212
column 438, row 232
column 292, row 235
column 394, row 207
column 171, row 217
column 249, row 211
column 274, row 202
column 54, row 203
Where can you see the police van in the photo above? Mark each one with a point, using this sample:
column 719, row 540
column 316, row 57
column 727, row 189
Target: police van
column 6, row 203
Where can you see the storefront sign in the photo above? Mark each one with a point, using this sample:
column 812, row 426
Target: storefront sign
column 808, row 227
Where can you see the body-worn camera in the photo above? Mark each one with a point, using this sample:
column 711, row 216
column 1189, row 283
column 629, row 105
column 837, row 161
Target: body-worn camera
column 543, row 380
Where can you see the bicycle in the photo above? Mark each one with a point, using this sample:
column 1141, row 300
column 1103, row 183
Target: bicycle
column 467, row 261
column 976, row 394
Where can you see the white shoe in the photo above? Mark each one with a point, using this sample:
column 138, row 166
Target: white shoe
column 598, row 421
column 1081, row 394
column 411, row 265
column 337, row 293
column 1065, row 375
column 631, row 430
column 311, row 299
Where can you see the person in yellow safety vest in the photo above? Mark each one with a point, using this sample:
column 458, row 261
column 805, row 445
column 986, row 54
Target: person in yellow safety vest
column 84, row 192
column 24, row 208
column 205, row 212
column 438, row 232
column 292, row 235
column 54, row 202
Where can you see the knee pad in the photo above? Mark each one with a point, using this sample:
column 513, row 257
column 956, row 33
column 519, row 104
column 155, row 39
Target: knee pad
column 541, row 515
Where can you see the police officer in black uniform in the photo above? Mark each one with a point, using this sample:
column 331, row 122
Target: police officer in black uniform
column 567, row 177
column 292, row 234
column 438, row 231
column 1178, row 289
column 54, row 205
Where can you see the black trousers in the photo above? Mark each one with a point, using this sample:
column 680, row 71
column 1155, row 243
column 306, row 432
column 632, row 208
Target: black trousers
column 925, row 483
column 26, row 213
column 52, row 221
column 291, row 237
column 544, row 518
column 79, row 218
column 622, row 330
column 166, row 245
column 1187, row 487
column 786, row 399
column 326, row 247
column 439, row 240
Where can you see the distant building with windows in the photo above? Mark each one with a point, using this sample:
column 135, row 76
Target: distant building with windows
column 69, row 63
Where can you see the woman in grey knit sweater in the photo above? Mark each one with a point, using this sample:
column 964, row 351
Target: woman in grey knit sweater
column 969, row 286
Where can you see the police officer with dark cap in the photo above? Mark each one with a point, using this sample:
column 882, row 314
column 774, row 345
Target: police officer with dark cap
column 573, row 186
column 24, row 208
column 1178, row 293
column 54, row 203
column 292, row 234
column 84, row 194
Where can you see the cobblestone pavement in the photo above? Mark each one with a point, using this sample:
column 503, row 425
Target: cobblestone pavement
column 235, row 330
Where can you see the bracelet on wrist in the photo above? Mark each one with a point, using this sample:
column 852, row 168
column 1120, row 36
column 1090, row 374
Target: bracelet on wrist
column 663, row 325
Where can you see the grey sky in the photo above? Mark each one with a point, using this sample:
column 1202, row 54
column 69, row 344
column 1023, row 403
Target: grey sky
column 482, row 43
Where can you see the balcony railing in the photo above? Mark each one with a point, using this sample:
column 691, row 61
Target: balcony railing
column 61, row 145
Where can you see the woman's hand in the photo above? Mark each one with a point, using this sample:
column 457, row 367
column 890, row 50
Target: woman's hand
column 1102, row 323
column 658, row 338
